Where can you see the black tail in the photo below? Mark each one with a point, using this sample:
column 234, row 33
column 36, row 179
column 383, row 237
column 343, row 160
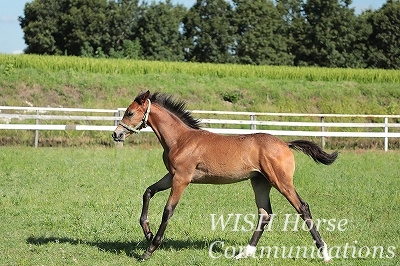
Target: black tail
column 314, row 151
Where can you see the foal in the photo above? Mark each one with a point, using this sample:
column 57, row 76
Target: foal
column 193, row 155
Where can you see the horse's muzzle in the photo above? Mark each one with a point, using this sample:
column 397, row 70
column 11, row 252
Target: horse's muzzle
column 118, row 136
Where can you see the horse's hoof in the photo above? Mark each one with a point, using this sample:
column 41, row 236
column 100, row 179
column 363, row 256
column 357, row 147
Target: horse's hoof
column 149, row 236
column 248, row 252
column 146, row 255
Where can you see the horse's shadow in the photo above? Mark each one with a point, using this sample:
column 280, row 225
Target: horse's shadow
column 131, row 249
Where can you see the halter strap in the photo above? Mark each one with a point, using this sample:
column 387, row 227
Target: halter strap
column 142, row 123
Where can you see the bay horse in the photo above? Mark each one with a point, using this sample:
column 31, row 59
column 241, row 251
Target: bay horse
column 193, row 155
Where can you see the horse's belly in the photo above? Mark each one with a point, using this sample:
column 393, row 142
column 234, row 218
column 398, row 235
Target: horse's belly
column 205, row 178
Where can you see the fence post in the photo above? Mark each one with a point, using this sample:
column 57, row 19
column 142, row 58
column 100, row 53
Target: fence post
column 253, row 118
column 117, row 115
column 37, row 131
column 323, row 130
column 386, row 132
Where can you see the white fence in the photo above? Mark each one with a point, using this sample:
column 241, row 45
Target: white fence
column 35, row 118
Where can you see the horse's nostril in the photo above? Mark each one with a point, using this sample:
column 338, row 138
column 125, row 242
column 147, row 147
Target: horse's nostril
column 118, row 136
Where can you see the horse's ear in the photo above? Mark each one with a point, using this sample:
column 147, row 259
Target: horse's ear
column 144, row 97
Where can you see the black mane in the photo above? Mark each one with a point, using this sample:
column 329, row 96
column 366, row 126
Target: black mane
column 177, row 107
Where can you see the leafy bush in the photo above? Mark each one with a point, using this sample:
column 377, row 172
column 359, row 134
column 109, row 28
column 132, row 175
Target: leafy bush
column 232, row 96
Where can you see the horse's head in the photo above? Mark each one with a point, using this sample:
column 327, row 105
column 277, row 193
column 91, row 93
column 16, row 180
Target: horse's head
column 135, row 117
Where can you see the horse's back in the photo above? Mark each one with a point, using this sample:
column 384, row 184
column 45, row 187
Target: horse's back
column 262, row 142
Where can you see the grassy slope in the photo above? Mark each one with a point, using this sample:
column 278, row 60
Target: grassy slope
column 69, row 88
column 82, row 206
column 91, row 90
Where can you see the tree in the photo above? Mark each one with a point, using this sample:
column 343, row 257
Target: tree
column 40, row 26
column 359, row 49
column 123, row 24
column 261, row 34
column 158, row 31
column 328, row 34
column 85, row 26
column 208, row 32
column 65, row 26
column 384, row 40
column 292, row 14
column 80, row 27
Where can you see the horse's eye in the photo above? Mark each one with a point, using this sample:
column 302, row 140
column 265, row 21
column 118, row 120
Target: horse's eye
column 129, row 113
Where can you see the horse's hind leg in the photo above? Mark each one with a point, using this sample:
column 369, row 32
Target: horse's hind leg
column 303, row 209
column 261, row 188
column 306, row 215
column 280, row 171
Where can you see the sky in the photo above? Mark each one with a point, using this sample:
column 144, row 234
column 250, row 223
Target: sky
column 11, row 34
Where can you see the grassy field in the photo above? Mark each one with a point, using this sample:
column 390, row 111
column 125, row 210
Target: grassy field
column 81, row 206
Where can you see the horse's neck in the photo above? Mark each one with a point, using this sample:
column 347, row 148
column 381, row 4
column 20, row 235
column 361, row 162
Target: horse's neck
column 166, row 126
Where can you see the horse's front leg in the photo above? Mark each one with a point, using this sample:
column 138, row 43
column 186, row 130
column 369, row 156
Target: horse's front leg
column 176, row 193
column 163, row 184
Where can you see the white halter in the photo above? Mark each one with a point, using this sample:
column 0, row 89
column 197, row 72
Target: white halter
column 142, row 123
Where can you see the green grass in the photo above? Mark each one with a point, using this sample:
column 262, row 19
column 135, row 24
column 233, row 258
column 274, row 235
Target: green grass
column 140, row 67
column 81, row 206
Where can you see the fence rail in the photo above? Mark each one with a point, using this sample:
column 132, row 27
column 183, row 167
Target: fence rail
column 35, row 118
